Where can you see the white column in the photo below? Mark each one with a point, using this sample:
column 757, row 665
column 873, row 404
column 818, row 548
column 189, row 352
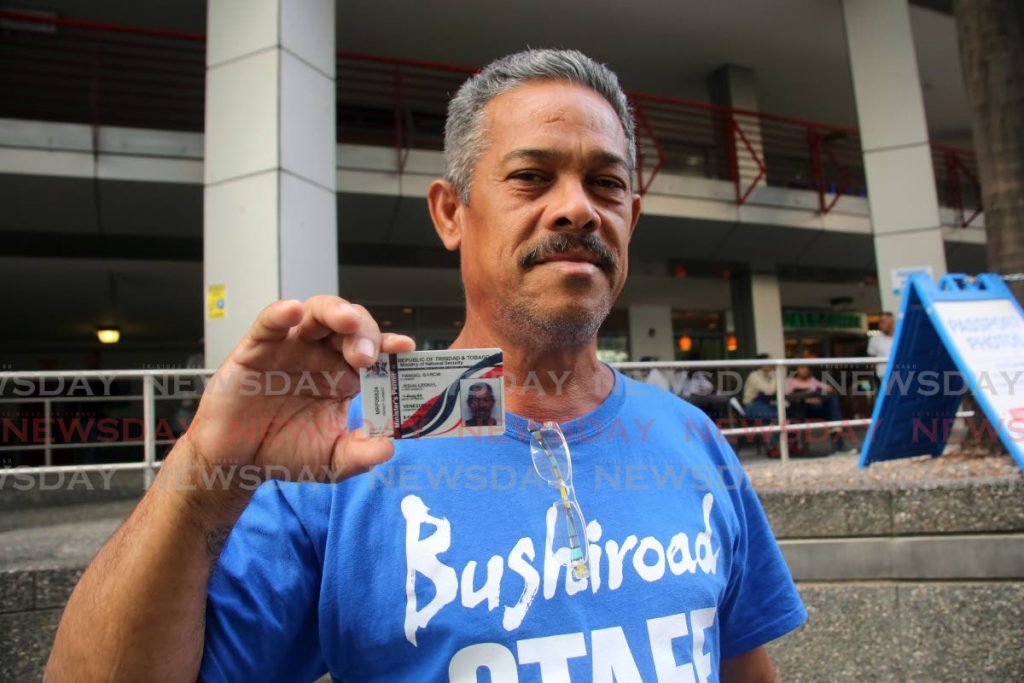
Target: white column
column 650, row 332
column 757, row 314
column 270, row 223
column 767, row 306
column 894, row 136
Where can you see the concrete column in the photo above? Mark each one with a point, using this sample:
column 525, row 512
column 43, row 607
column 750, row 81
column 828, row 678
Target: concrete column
column 757, row 314
column 894, row 136
column 270, row 223
column 650, row 332
column 733, row 86
column 991, row 36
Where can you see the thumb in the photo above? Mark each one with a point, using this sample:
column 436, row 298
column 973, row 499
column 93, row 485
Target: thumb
column 357, row 453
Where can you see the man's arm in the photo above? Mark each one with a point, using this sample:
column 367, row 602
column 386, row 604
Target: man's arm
column 749, row 389
column 137, row 612
column 750, row 667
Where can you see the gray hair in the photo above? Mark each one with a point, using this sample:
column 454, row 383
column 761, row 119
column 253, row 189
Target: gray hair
column 477, row 387
column 465, row 135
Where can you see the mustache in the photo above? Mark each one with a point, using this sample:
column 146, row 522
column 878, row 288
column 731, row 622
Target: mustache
column 564, row 243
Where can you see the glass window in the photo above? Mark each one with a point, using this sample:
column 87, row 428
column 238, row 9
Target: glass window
column 699, row 335
column 613, row 337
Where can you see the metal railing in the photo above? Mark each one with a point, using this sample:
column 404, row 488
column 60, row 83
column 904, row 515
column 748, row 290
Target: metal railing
column 62, row 414
column 782, row 425
column 98, row 73
column 37, row 432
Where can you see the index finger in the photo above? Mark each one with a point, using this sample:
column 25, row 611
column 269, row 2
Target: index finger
column 275, row 320
column 350, row 328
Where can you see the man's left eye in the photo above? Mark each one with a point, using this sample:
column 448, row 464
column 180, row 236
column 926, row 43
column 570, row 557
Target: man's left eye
column 609, row 183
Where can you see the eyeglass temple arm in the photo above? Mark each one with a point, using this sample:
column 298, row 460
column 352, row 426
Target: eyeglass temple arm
column 574, row 535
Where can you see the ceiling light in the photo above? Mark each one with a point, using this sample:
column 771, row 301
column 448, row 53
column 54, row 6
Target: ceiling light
column 108, row 335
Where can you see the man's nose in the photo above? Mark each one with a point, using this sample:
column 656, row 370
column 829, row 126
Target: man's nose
column 574, row 207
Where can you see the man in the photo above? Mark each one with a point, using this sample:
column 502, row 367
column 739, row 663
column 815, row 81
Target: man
column 880, row 345
column 759, row 390
column 481, row 403
column 443, row 564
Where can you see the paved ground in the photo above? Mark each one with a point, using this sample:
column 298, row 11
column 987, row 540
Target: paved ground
column 841, row 472
column 65, row 536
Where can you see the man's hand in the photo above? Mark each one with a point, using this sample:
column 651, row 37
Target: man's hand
column 281, row 399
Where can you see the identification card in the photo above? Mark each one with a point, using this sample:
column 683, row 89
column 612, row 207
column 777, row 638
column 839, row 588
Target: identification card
column 459, row 392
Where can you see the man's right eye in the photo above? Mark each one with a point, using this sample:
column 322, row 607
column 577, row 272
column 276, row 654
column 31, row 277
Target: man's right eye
column 529, row 176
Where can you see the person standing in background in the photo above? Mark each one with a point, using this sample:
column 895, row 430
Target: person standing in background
column 880, row 345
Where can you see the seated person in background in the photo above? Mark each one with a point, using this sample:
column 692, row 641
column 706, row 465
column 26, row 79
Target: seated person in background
column 656, row 377
column 697, row 388
column 692, row 384
column 758, row 391
column 823, row 404
column 695, row 384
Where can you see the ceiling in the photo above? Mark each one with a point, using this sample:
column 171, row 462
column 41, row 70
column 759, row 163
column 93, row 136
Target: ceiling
column 796, row 48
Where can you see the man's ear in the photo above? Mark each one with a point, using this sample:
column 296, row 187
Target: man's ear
column 446, row 212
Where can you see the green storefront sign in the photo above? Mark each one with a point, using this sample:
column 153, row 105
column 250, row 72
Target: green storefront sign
column 843, row 321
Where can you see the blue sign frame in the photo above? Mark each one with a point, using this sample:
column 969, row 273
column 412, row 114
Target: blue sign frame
column 917, row 402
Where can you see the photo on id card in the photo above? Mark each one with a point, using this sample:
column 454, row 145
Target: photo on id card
column 456, row 392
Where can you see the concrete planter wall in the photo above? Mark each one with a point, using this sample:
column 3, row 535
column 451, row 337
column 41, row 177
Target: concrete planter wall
column 904, row 584
column 901, row 584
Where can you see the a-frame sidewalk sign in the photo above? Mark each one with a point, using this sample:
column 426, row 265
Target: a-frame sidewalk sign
column 962, row 334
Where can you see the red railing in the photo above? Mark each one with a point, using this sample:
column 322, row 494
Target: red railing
column 100, row 73
column 390, row 101
column 109, row 74
column 750, row 148
column 956, row 179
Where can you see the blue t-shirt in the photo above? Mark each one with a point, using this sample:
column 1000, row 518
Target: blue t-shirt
column 443, row 564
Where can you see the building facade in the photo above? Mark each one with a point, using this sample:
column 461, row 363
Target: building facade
column 167, row 170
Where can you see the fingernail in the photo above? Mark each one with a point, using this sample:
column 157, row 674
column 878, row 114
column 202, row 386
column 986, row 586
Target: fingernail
column 365, row 347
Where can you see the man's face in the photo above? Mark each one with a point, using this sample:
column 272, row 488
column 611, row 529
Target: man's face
column 481, row 402
column 544, row 237
column 886, row 324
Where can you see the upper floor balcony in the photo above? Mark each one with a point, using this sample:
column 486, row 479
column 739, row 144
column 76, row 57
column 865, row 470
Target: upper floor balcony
column 135, row 102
